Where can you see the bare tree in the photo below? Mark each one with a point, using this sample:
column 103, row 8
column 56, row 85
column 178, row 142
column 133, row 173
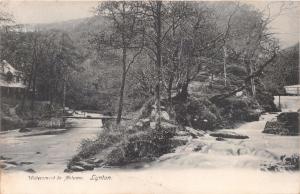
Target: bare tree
column 126, row 35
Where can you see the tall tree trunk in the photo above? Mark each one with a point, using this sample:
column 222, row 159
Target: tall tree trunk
column 225, row 69
column 170, row 90
column 252, row 81
column 119, row 116
column 64, row 95
column 158, row 25
column 33, row 87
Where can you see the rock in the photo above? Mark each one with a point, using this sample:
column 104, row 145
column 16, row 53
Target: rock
column 194, row 133
column 165, row 115
column 98, row 161
column 146, row 122
column 182, row 133
column 152, row 125
column 26, row 163
column 77, row 168
column 12, row 162
column 10, row 166
column 290, row 163
column 228, row 134
column 253, row 116
column 4, row 158
column 85, row 165
column 30, row 170
column 3, row 165
column 24, row 130
column 68, row 170
column 220, row 139
column 38, row 152
column 288, row 117
column 276, row 128
column 139, row 125
column 178, row 141
column 238, row 94
column 287, row 124
column 198, row 148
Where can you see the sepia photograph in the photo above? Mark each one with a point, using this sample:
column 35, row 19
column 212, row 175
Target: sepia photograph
column 149, row 97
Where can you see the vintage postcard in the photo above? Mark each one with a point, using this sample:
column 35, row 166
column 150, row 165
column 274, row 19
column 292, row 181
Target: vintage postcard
column 149, row 97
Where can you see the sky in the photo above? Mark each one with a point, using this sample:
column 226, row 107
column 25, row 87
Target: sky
column 286, row 26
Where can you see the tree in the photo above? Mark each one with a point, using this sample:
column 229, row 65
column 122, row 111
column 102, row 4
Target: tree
column 6, row 18
column 126, row 34
column 160, row 19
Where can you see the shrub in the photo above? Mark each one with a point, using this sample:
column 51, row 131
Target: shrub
column 121, row 147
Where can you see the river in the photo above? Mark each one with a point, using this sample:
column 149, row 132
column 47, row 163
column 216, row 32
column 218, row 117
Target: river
column 47, row 152
column 52, row 152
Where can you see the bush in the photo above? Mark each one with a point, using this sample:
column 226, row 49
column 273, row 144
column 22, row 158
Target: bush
column 119, row 147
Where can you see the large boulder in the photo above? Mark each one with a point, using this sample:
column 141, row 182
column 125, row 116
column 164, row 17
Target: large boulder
column 198, row 113
column 287, row 124
column 236, row 109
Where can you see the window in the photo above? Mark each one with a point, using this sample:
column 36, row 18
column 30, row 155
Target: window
column 9, row 76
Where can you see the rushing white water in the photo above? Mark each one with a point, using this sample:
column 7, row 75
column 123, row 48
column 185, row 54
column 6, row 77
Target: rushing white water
column 236, row 153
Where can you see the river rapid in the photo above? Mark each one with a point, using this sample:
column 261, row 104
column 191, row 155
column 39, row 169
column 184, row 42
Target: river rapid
column 250, row 153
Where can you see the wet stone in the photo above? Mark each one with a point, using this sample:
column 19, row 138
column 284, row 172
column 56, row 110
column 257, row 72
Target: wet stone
column 24, row 130
column 26, row 163
column 220, row 139
column 228, row 134
column 77, row 168
column 12, row 162
column 4, row 158
column 68, row 170
column 30, row 170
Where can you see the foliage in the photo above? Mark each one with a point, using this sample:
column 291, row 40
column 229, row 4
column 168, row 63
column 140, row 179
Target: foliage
column 284, row 71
